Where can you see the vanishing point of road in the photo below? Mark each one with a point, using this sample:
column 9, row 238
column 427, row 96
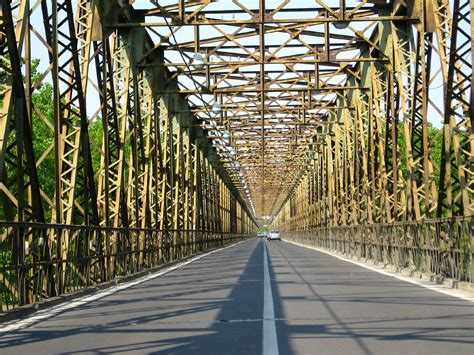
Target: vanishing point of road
column 259, row 297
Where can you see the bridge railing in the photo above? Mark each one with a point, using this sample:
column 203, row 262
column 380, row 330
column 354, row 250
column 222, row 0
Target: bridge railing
column 41, row 261
column 439, row 246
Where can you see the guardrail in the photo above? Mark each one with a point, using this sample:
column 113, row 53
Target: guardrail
column 443, row 247
column 40, row 261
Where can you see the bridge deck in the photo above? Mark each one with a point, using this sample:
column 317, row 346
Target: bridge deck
column 216, row 305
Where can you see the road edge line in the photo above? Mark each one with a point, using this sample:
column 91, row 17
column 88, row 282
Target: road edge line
column 426, row 284
column 51, row 312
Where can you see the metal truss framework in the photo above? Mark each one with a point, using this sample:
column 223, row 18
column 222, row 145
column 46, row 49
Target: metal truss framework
column 382, row 168
column 214, row 114
column 157, row 192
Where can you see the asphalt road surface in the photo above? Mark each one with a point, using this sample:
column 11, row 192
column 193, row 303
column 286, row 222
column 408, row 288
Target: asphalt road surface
column 250, row 300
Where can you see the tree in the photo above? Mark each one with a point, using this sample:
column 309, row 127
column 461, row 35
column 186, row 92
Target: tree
column 42, row 119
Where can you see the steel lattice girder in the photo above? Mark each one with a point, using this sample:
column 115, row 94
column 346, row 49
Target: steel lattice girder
column 324, row 118
column 259, row 62
column 112, row 147
column 371, row 62
column 365, row 183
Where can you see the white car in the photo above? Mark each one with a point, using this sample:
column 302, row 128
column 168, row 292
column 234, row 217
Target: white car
column 274, row 235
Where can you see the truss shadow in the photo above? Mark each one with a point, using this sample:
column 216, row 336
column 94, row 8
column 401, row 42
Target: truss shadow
column 170, row 318
column 335, row 331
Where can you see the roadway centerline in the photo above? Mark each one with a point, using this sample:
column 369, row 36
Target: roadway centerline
column 270, row 343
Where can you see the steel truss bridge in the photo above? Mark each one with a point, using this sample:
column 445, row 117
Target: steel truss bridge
column 136, row 133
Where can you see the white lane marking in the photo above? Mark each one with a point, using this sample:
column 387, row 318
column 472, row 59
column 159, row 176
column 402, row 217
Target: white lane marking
column 270, row 343
column 425, row 284
column 50, row 312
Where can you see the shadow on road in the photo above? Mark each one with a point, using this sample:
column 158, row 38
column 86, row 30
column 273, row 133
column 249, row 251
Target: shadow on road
column 342, row 318
column 148, row 322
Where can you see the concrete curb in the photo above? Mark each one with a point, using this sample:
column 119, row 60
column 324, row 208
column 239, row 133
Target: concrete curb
column 407, row 272
column 463, row 290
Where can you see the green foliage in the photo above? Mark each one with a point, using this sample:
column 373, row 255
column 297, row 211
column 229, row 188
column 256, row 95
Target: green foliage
column 7, row 297
column 96, row 135
column 435, row 139
column 43, row 136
